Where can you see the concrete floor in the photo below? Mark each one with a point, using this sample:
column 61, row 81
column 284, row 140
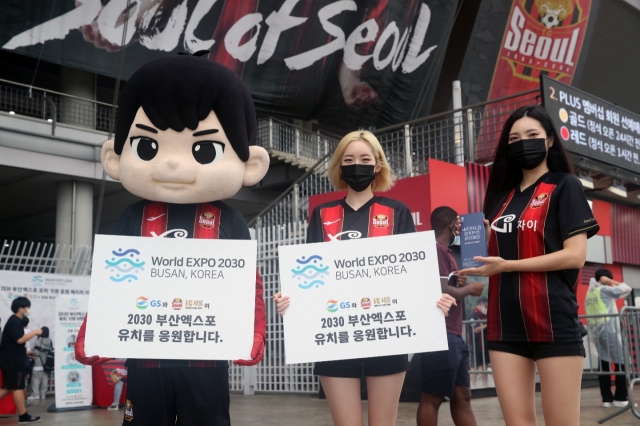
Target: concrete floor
column 295, row 410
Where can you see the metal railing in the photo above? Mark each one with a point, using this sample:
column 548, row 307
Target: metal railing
column 287, row 141
column 630, row 326
column 46, row 258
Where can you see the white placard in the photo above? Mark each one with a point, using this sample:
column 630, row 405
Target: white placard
column 74, row 384
column 362, row 298
column 171, row 298
column 42, row 291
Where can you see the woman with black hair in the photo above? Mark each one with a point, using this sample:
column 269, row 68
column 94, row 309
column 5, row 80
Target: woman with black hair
column 537, row 236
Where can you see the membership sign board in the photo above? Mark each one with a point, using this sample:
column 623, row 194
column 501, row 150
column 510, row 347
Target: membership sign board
column 171, row 298
column 73, row 380
column 362, row 298
column 592, row 127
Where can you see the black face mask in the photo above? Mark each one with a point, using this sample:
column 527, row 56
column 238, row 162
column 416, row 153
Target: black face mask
column 528, row 153
column 358, row 176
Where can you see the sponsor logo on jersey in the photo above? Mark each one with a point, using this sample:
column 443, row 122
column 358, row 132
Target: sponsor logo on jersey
column 151, row 219
column 503, row 223
column 207, row 220
column 539, row 200
column 380, row 221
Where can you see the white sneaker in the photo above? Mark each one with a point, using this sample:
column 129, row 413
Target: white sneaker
column 113, row 407
column 607, row 404
column 33, row 397
column 620, row 403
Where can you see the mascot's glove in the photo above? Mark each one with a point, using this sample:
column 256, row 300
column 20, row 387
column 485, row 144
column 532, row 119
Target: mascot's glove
column 81, row 357
column 256, row 352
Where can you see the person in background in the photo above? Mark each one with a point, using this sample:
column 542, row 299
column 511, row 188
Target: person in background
column 478, row 336
column 446, row 373
column 360, row 166
column 119, row 377
column 40, row 378
column 13, row 357
column 601, row 300
column 537, row 229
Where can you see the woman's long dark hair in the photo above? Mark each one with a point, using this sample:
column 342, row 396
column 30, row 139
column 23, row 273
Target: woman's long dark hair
column 506, row 174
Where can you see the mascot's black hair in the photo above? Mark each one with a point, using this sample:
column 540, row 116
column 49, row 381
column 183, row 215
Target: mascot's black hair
column 180, row 91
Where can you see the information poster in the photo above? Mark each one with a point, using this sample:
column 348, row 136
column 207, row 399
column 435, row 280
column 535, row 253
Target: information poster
column 473, row 239
column 74, row 386
column 362, row 298
column 171, row 298
column 592, row 127
column 42, row 290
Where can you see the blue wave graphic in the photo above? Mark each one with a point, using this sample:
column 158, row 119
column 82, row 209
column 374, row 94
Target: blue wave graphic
column 125, row 277
column 129, row 261
column 306, row 286
column 124, row 253
column 306, row 268
column 304, row 262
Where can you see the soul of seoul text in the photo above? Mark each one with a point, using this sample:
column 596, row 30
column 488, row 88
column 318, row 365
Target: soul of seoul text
column 383, row 265
column 202, row 267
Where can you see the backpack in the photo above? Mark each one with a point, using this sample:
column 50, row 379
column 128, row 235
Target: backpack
column 46, row 356
column 49, row 362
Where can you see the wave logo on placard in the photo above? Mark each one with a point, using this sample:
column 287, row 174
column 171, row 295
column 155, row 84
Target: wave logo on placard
column 37, row 280
column 332, row 305
column 142, row 302
column 124, row 265
column 310, row 272
column 73, row 302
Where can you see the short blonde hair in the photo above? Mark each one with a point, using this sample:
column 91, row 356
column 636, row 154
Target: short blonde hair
column 384, row 179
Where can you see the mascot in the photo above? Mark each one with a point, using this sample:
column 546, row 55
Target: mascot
column 184, row 141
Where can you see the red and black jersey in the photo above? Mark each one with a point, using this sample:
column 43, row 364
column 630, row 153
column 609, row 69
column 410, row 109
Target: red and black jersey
column 378, row 217
column 537, row 306
column 214, row 220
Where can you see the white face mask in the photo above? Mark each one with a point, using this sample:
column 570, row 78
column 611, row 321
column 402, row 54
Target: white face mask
column 484, row 310
column 27, row 312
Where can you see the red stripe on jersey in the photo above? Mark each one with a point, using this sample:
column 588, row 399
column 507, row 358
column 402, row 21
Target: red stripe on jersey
column 380, row 221
column 494, row 316
column 155, row 217
column 207, row 222
column 332, row 219
column 534, row 294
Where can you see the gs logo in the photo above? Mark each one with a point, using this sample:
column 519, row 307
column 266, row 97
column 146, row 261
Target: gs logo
column 155, row 303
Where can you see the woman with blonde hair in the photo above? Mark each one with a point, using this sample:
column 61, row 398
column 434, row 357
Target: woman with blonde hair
column 360, row 166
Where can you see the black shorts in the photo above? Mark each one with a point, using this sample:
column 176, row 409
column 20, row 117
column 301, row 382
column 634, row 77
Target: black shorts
column 13, row 379
column 354, row 368
column 539, row 350
column 196, row 396
column 442, row 371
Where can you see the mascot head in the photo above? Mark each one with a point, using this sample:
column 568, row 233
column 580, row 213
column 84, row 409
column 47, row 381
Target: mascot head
column 186, row 133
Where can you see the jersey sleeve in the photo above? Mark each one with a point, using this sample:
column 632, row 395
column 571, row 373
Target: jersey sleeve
column 574, row 212
column 314, row 231
column 405, row 220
